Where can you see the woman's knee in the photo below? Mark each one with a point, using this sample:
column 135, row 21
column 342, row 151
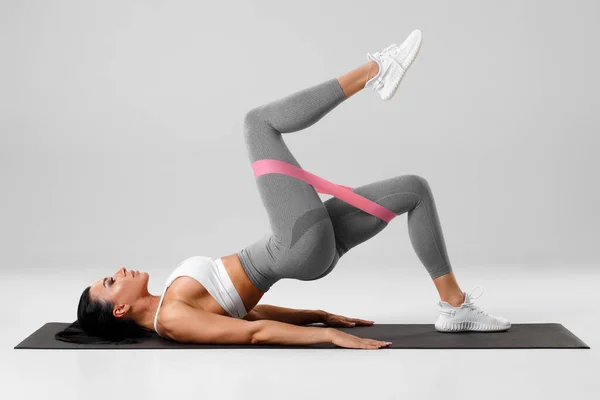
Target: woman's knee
column 254, row 119
column 417, row 184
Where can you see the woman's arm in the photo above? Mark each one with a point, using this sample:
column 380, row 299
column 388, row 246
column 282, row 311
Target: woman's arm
column 287, row 315
column 303, row 317
column 191, row 325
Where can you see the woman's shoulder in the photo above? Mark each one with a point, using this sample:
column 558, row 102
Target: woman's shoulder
column 170, row 316
column 184, row 321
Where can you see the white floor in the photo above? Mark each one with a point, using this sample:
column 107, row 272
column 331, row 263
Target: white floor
column 524, row 294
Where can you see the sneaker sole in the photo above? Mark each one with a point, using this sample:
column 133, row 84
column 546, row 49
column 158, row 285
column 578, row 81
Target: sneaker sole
column 398, row 79
column 468, row 326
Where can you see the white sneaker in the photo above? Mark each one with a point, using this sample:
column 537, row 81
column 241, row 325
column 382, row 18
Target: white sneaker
column 468, row 317
column 393, row 62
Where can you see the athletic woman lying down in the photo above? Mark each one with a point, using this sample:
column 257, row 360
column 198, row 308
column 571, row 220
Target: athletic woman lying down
column 209, row 300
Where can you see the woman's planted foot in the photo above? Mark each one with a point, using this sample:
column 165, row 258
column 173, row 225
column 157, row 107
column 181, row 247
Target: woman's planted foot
column 468, row 317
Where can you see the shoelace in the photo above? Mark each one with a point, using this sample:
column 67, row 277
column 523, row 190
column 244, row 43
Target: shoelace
column 391, row 51
column 471, row 305
column 468, row 304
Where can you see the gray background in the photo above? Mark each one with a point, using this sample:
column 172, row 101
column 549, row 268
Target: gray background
column 121, row 144
column 121, row 125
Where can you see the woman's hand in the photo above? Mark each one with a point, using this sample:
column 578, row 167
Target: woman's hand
column 344, row 339
column 339, row 320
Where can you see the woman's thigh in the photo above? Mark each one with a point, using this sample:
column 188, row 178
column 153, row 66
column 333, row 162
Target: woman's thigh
column 296, row 214
column 302, row 242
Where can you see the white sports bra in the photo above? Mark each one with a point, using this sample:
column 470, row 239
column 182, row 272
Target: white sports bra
column 213, row 276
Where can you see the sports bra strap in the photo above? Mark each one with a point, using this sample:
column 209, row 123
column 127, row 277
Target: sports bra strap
column 270, row 166
column 158, row 309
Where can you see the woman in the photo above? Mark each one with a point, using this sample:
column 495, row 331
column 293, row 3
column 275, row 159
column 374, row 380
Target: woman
column 207, row 299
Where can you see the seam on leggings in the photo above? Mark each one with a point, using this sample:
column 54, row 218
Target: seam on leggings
column 444, row 267
column 340, row 87
column 431, row 230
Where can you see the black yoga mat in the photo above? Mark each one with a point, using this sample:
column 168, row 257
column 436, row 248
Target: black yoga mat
column 402, row 336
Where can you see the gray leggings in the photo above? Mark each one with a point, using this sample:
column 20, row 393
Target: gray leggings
column 308, row 235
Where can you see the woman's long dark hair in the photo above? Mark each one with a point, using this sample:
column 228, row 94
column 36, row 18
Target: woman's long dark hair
column 96, row 324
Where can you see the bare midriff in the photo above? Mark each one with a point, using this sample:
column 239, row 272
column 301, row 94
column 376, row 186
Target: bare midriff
column 190, row 291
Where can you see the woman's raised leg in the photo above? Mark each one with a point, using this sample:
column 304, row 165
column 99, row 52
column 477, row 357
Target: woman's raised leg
column 302, row 242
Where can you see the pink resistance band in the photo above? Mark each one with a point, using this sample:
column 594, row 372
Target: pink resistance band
column 269, row 166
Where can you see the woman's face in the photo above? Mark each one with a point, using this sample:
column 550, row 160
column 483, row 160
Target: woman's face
column 123, row 289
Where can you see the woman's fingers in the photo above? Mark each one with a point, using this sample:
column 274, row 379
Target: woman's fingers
column 372, row 343
column 361, row 321
column 343, row 339
column 357, row 321
column 376, row 344
column 340, row 320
